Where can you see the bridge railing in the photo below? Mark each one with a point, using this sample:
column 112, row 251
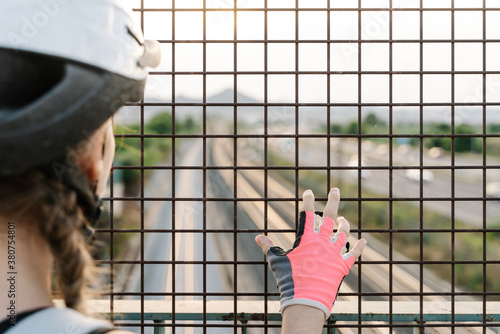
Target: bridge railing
column 159, row 314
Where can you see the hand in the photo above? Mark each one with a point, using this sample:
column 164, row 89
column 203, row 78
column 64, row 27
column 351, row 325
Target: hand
column 312, row 271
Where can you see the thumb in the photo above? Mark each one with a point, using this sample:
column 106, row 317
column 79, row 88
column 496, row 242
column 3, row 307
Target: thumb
column 358, row 248
column 264, row 242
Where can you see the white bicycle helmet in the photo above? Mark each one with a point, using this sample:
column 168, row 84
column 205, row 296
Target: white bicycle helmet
column 65, row 67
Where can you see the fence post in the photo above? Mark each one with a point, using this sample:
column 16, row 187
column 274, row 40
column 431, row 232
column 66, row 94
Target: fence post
column 159, row 329
column 331, row 330
column 244, row 330
column 418, row 330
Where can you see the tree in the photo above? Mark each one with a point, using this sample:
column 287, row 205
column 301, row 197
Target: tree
column 441, row 142
column 189, row 125
column 493, row 128
column 373, row 125
column 335, row 128
column 160, row 124
column 373, row 120
column 352, row 128
column 466, row 144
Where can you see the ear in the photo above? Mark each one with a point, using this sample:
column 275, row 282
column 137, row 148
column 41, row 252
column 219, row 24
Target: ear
column 95, row 168
column 90, row 160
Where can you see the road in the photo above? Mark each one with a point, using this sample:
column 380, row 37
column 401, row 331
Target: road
column 249, row 215
column 468, row 182
column 281, row 215
column 188, row 246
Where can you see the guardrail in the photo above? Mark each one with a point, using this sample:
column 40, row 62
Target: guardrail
column 440, row 314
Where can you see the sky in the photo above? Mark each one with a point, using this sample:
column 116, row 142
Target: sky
column 312, row 25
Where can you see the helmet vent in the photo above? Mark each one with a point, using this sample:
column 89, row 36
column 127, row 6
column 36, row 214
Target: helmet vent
column 25, row 77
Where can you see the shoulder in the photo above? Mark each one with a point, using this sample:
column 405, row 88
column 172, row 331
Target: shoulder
column 58, row 320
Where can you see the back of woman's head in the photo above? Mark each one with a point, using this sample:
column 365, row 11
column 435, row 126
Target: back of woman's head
column 59, row 85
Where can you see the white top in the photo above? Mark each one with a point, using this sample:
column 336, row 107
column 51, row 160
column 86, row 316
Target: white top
column 58, row 320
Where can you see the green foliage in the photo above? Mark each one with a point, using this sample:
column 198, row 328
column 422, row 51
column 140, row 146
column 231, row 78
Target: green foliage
column 371, row 124
column 439, row 128
column 189, row 125
column 128, row 150
column 467, row 144
column 471, row 276
column 351, row 128
column 160, row 124
column 493, row 129
column 442, row 142
column 462, row 144
column 335, row 128
column 493, row 236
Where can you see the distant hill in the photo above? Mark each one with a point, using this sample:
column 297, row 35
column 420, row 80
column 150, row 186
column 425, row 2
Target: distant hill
column 130, row 115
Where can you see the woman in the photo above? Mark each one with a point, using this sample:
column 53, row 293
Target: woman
column 66, row 67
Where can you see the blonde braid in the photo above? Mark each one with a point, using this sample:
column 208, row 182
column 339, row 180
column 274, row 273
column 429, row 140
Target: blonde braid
column 60, row 220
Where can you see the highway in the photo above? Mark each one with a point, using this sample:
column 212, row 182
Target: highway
column 250, row 215
column 188, row 246
column 468, row 182
column 281, row 215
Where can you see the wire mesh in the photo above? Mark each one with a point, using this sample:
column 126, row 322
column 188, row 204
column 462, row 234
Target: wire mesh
column 395, row 102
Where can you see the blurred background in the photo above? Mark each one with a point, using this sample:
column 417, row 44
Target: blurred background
column 394, row 102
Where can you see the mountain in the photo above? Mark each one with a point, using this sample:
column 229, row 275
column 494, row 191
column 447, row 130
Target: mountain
column 313, row 115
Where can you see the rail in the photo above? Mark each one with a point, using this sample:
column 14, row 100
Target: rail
column 406, row 314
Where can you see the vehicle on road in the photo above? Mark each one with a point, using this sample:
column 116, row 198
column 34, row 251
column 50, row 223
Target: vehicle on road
column 365, row 173
column 414, row 174
column 493, row 189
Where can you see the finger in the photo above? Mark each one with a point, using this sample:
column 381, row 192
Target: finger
column 332, row 206
column 343, row 226
column 358, row 248
column 308, row 201
column 339, row 240
column 327, row 226
column 264, row 242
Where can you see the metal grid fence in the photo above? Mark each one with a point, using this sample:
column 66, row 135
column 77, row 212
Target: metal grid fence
column 385, row 163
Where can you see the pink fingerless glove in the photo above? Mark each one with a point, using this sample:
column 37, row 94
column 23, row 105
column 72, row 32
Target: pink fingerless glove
column 313, row 270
